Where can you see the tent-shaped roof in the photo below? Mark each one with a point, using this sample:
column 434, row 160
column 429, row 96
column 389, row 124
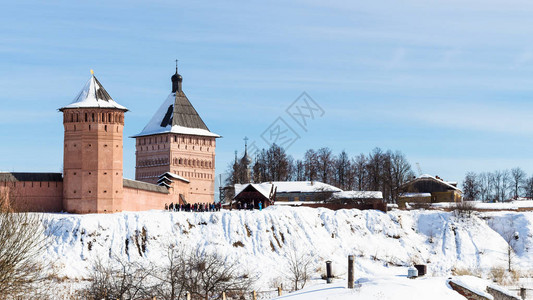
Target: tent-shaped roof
column 263, row 188
column 176, row 115
column 169, row 175
column 93, row 95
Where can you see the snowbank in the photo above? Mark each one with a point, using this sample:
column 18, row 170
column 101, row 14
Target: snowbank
column 384, row 244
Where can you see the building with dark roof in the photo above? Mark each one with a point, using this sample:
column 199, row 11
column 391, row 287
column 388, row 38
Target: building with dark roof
column 176, row 140
column 175, row 159
column 428, row 189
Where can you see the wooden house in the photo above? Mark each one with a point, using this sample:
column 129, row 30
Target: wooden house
column 428, row 189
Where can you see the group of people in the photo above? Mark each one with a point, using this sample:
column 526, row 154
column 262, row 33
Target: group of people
column 195, row 207
column 249, row 206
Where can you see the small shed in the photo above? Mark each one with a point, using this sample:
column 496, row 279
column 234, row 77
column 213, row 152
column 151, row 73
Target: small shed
column 250, row 195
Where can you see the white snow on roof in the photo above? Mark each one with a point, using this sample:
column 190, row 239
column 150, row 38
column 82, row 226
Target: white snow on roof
column 475, row 284
column 303, row 187
column 175, row 176
column 154, row 126
column 358, row 195
column 88, row 98
column 414, row 195
column 263, row 188
column 440, row 180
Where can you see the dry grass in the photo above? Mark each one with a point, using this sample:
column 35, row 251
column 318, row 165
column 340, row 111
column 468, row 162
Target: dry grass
column 501, row 276
column 466, row 271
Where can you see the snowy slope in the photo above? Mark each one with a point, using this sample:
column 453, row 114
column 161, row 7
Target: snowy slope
column 384, row 244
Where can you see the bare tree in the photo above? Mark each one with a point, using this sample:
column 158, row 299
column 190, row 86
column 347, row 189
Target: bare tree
column 342, row 170
column 325, row 165
column 299, row 267
column 528, row 187
column 374, row 169
column 501, row 184
column 360, row 172
column 22, row 238
column 207, row 275
column 471, row 186
column 518, row 177
column 485, row 186
column 311, row 165
column 273, row 164
column 170, row 277
column 299, row 171
column 116, row 278
column 510, row 236
column 400, row 172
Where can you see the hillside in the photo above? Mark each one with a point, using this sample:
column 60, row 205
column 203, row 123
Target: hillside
column 261, row 240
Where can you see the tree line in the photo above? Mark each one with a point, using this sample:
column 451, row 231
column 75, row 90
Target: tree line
column 378, row 170
column 498, row 185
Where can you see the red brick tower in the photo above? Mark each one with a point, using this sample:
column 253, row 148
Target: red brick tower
column 92, row 161
column 176, row 140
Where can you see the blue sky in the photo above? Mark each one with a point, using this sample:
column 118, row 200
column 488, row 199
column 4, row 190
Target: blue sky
column 448, row 83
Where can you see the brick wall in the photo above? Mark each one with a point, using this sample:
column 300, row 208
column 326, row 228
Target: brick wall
column 41, row 196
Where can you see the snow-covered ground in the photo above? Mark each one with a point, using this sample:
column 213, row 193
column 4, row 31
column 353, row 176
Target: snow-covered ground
column 384, row 244
column 387, row 287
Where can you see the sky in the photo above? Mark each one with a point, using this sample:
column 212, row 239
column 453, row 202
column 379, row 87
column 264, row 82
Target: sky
column 448, row 83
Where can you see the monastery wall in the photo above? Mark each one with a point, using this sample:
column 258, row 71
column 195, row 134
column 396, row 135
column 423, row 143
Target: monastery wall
column 41, row 196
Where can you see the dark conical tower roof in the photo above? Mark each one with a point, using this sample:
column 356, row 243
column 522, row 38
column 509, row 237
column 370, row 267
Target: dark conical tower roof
column 177, row 115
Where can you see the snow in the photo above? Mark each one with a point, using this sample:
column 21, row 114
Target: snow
column 87, row 98
column 175, row 176
column 414, row 195
column 387, row 287
column 449, row 184
column 289, row 187
column 474, row 284
column 303, row 187
column 513, row 205
column 357, row 195
column 384, row 244
column 263, row 188
column 154, row 125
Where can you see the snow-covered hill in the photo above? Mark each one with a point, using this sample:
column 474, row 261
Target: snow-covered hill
column 261, row 240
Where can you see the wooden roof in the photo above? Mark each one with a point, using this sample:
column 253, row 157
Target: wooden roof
column 20, row 176
column 185, row 114
column 144, row 186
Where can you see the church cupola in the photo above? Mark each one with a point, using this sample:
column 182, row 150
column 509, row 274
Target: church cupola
column 176, row 81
